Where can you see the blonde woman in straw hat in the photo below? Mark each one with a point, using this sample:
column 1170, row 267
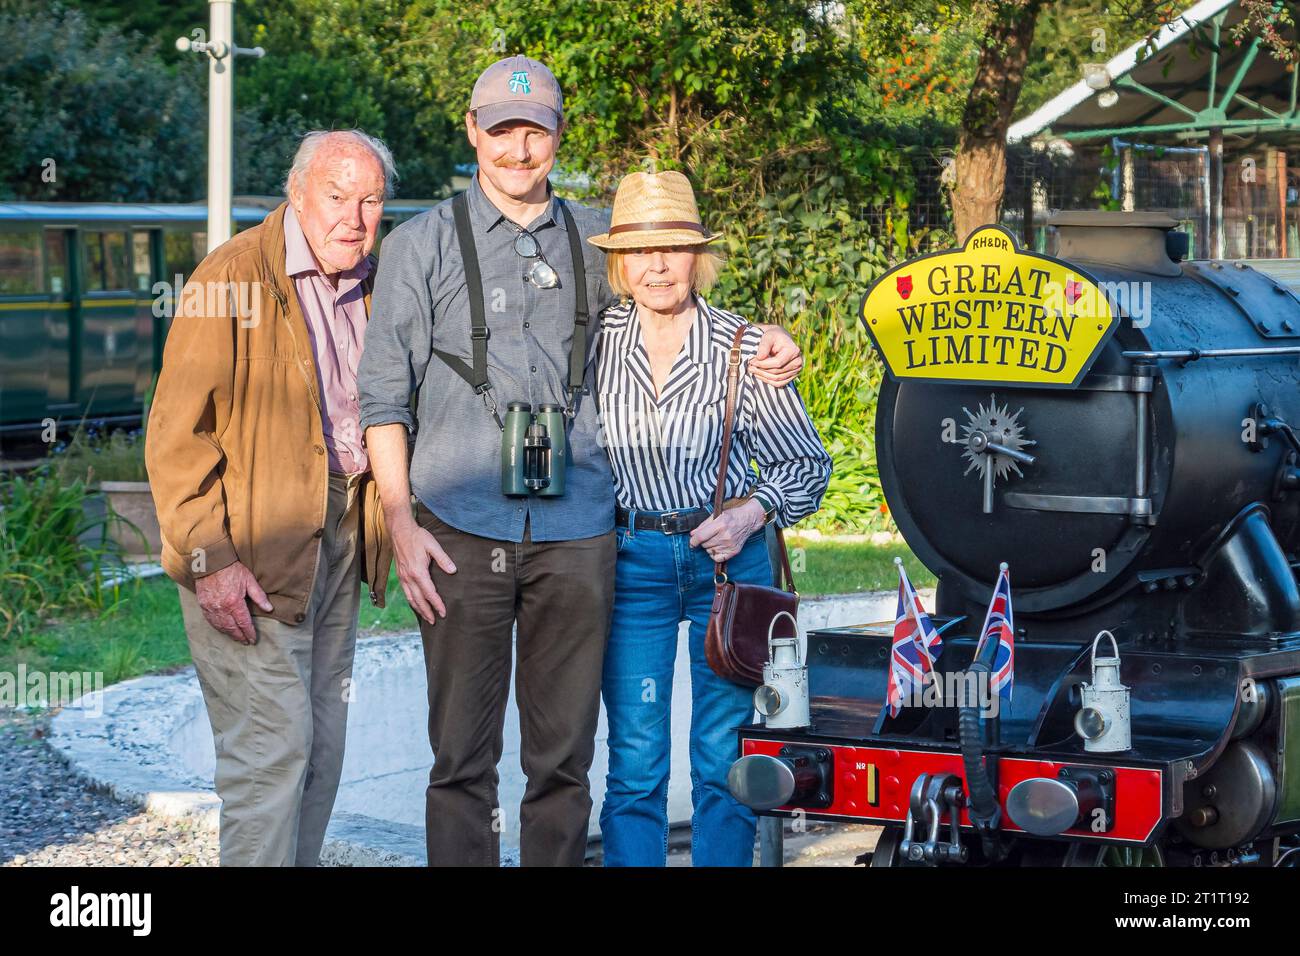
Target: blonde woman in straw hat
column 662, row 382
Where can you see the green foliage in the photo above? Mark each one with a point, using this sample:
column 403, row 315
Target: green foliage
column 159, row 20
column 1070, row 35
column 805, row 264
column 92, row 456
column 1103, row 192
column 352, row 64
column 123, row 117
column 761, row 102
column 46, row 567
column 74, row 94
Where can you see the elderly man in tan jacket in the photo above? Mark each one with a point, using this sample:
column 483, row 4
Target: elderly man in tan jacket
column 269, row 515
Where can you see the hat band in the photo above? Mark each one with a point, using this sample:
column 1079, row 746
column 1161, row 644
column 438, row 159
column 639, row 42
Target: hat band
column 663, row 224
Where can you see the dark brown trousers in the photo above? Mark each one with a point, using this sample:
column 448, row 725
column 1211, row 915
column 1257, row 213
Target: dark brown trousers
column 561, row 593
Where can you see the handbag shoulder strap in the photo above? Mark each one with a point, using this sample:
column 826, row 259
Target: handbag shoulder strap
column 788, row 575
column 728, row 423
column 728, row 418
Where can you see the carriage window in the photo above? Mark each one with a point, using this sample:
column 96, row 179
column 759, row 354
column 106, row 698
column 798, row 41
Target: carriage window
column 141, row 267
column 56, row 263
column 106, row 261
column 182, row 251
column 20, row 263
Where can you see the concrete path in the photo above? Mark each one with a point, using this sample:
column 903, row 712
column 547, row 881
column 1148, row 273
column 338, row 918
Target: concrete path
column 149, row 743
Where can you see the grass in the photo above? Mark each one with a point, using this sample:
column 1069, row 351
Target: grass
column 847, row 567
column 141, row 632
column 92, row 456
column 47, row 567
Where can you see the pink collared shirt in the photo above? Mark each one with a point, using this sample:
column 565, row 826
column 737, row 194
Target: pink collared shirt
column 336, row 321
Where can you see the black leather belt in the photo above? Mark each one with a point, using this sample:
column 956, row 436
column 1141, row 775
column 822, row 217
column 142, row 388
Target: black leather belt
column 669, row 522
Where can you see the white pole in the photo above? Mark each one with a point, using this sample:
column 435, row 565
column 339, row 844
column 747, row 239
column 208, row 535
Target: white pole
column 221, row 51
column 221, row 121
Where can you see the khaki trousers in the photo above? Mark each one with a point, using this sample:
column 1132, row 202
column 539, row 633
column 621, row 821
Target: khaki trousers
column 561, row 593
column 279, row 708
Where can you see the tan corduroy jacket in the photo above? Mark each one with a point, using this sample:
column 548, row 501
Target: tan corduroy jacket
column 234, row 446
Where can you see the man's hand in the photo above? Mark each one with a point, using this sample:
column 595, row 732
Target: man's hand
column 723, row 535
column 778, row 360
column 414, row 548
column 223, row 597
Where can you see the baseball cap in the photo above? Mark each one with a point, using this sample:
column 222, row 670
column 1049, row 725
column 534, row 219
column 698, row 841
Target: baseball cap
column 517, row 88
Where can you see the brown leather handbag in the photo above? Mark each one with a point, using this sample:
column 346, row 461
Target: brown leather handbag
column 735, row 644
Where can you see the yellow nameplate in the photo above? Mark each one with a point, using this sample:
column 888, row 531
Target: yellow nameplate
column 988, row 313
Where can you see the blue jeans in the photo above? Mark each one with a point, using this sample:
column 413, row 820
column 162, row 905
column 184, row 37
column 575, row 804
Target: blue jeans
column 661, row 581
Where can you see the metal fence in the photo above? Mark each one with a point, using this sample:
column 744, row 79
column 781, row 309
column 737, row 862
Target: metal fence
column 929, row 211
column 1260, row 202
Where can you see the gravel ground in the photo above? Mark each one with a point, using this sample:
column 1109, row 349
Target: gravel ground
column 49, row 818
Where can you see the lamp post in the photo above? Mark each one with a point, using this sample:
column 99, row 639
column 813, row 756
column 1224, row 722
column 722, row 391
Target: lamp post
column 221, row 51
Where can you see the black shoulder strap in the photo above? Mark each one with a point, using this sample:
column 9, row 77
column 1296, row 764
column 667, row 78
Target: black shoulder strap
column 476, row 376
column 581, row 317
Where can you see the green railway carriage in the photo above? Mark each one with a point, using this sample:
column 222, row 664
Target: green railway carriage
column 86, row 291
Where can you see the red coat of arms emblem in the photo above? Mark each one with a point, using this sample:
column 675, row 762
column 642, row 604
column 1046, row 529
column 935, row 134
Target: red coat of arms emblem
column 904, row 284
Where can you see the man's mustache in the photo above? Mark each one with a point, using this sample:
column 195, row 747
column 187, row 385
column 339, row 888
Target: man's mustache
column 504, row 163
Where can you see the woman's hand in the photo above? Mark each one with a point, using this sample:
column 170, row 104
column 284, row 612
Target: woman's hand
column 723, row 535
column 778, row 360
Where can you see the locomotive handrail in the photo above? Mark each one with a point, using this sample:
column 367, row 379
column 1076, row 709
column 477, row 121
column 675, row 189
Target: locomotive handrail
column 1191, row 355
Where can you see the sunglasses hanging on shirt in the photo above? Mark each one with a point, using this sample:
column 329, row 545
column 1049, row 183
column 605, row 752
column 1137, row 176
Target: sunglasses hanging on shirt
column 540, row 273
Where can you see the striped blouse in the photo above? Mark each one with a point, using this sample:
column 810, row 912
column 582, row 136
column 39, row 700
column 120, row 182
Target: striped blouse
column 665, row 452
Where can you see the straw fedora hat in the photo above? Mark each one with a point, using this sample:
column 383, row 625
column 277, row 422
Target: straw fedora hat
column 654, row 209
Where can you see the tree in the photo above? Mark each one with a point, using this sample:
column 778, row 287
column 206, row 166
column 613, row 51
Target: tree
column 981, row 169
column 980, row 51
column 92, row 114
column 353, row 64
column 1004, row 56
column 160, row 20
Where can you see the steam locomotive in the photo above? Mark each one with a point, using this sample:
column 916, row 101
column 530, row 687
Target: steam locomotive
column 1145, row 491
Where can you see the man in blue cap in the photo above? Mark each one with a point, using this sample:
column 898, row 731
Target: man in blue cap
column 492, row 298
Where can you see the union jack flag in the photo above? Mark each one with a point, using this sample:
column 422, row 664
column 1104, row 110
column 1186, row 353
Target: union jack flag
column 915, row 647
column 999, row 626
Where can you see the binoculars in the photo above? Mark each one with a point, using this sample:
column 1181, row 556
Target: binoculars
column 534, row 451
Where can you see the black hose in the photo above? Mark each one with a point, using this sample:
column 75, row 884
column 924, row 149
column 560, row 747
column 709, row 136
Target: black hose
column 985, row 812
column 983, row 801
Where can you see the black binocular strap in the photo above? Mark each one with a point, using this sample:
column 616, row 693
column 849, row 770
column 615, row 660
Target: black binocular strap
column 476, row 375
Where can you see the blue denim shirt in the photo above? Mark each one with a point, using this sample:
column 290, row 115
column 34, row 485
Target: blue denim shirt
column 420, row 303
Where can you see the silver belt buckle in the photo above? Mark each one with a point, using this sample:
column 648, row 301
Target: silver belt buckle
column 665, row 518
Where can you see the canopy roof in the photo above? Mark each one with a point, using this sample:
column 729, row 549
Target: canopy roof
column 1168, row 95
